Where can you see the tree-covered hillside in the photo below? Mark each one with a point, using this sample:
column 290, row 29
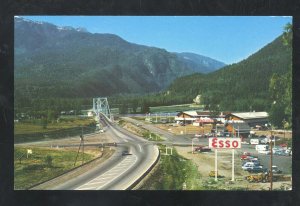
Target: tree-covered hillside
column 243, row 86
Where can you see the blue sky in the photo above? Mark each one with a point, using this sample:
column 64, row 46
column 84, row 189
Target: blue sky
column 227, row 39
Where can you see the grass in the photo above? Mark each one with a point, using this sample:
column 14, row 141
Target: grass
column 35, row 126
column 172, row 172
column 142, row 132
column 43, row 164
column 34, row 131
column 175, row 108
column 151, row 136
column 166, row 109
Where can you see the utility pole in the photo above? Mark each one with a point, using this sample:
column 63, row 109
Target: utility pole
column 82, row 144
column 271, row 163
column 184, row 125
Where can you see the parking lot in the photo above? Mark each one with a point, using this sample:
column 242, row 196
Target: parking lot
column 284, row 163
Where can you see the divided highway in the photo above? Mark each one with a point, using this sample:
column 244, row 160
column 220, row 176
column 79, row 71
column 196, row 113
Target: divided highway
column 120, row 171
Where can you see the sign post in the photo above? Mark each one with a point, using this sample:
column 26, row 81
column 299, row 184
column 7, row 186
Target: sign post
column 216, row 165
column 224, row 143
column 29, row 151
column 232, row 176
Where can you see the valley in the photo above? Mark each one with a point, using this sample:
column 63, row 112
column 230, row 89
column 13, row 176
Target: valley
column 156, row 111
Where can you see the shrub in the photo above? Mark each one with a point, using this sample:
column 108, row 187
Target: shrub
column 48, row 161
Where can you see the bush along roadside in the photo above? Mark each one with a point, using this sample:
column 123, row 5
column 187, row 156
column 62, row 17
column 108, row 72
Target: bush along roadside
column 140, row 131
column 42, row 164
column 173, row 173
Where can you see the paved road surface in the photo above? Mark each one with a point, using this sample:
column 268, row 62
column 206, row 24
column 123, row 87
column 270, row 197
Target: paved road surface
column 118, row 172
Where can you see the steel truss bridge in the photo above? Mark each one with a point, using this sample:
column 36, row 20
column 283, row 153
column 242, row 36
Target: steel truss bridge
column 100, row 105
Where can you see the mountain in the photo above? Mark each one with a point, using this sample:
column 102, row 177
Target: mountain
column 71, row 62
column 199, row 63
column 242, row 86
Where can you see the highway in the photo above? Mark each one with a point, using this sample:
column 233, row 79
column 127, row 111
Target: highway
column 119, row 172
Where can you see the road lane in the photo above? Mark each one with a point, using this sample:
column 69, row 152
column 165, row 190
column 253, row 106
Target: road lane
column 109, row 176
column 119, row 172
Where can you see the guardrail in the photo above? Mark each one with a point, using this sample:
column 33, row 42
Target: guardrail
column 137, row 181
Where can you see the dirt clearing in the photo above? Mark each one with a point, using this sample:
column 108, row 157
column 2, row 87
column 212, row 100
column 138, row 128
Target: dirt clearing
column 206, row 163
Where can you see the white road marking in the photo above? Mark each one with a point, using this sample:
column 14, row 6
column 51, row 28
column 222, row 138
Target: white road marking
column 110, row 175
column 140, row 148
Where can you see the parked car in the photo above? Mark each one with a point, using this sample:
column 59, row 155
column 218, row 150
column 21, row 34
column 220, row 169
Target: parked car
column 264, row 141
column 209, row 135
column 244, row 157
column 250, row 165
column 288, row 152
column 264, row 152
column 256, row 162
column 280, row 153
column 275, row 170
column 274, row 138
column 256, row 169
column 202, row 149
column 198, row 135
column 248, row 157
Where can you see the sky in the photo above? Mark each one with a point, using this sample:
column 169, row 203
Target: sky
column 227, row 39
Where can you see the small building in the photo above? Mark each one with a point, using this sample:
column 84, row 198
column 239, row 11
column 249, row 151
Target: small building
column 203, row 120
column 237, row 128
column 251, row 118
column 187, row 117
column 198, row 117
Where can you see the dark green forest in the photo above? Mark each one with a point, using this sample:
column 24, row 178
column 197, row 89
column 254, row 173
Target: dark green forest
column 238, row 87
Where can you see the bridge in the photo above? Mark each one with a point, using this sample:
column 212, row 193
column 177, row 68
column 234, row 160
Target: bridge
column 100, row 105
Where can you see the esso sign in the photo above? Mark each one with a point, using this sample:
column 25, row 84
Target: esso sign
column 224, row 143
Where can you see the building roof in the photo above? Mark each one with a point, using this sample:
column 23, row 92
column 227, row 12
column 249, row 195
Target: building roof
column 251, row 115
column 203, row 113
column 190, row 113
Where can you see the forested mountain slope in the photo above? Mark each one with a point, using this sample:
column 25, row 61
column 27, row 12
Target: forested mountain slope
column 242, row 86
column 52, row 61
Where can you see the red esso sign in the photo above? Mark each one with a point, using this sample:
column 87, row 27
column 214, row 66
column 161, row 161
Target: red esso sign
column 224, row 143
